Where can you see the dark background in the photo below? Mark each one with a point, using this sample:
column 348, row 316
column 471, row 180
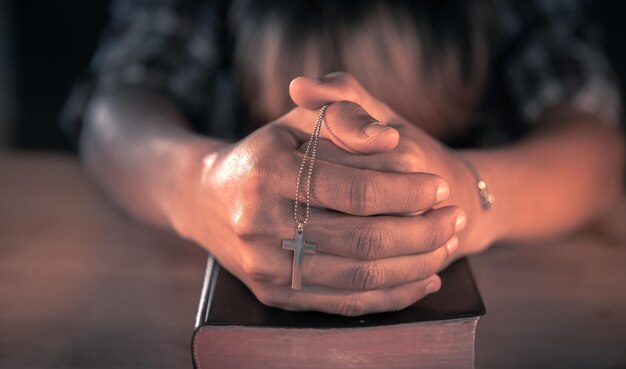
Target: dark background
column 47, row 44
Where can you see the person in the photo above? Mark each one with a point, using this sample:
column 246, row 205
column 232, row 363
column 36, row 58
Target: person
column 193, row 119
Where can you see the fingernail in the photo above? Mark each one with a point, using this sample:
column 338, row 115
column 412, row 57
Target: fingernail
column 461, row 221
column 443, row 192
column 432, row 287
column 374, row 129
column 452, row 245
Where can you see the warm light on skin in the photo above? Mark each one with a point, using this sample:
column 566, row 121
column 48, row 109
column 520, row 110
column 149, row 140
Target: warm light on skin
column 236, row 199
column 207, row 163
column 241, row 163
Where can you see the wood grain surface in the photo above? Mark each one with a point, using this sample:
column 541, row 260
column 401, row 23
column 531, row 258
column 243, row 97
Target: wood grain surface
column 84, row 286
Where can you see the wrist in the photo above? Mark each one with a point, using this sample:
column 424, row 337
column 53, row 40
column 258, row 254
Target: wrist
column 484, row 225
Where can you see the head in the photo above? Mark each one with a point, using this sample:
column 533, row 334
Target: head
column 425, row 59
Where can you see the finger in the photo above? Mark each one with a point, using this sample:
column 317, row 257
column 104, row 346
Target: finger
column 347, row 302
column 367, row 192
column 396, row 161
column 372, row 238
column 350, row 190
column 338, row 272
column 351, row 128
column 345, row 273
column 348, row 126
column 346, row 256
column 338, row 86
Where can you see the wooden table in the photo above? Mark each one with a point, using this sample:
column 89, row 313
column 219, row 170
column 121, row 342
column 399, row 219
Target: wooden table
column 84, row 286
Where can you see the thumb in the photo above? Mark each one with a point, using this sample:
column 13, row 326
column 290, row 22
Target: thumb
column 347, row 124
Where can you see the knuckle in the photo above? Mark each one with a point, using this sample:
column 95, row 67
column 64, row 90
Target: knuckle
column 255, row 172
column 248, row 192
column 268, row 298
column 248, row 218
column 255, row 270
column 245, row 223
column 369, row 243
column 368, row 276
column 409, row 157
column 278, row 299
column 242, row 227
column 405, row 162
column 364, row 195
column 244, row 166
column 352, row 306
column 418, row 155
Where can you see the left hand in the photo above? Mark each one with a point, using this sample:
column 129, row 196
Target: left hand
column 416, row 151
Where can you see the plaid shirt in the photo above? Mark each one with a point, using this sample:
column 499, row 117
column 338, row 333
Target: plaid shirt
column 546, row 54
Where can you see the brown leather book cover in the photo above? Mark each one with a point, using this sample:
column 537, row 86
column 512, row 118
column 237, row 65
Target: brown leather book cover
column 235, row 330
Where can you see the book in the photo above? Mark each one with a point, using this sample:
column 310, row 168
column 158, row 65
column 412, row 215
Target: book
column 235, row 330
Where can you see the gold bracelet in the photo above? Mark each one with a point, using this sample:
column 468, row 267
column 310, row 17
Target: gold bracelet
column 486, row 198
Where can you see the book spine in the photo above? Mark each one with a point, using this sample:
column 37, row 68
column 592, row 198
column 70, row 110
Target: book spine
column 208, row 287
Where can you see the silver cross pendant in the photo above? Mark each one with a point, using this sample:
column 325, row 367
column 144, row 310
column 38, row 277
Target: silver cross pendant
column 298, row 246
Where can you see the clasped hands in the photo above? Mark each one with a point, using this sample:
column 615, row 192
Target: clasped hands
column 382, row 215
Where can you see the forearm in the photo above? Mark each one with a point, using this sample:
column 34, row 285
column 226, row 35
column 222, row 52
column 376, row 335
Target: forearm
column 554, row 180
column 138, row 147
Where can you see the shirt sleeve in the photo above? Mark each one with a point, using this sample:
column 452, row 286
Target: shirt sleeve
column 553, row 57
column 173, row 47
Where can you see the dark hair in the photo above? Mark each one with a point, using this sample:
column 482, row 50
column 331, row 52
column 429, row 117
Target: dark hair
column 387, row 45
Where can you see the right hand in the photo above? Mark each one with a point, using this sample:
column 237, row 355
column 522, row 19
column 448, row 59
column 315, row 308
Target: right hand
column 243, row 207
